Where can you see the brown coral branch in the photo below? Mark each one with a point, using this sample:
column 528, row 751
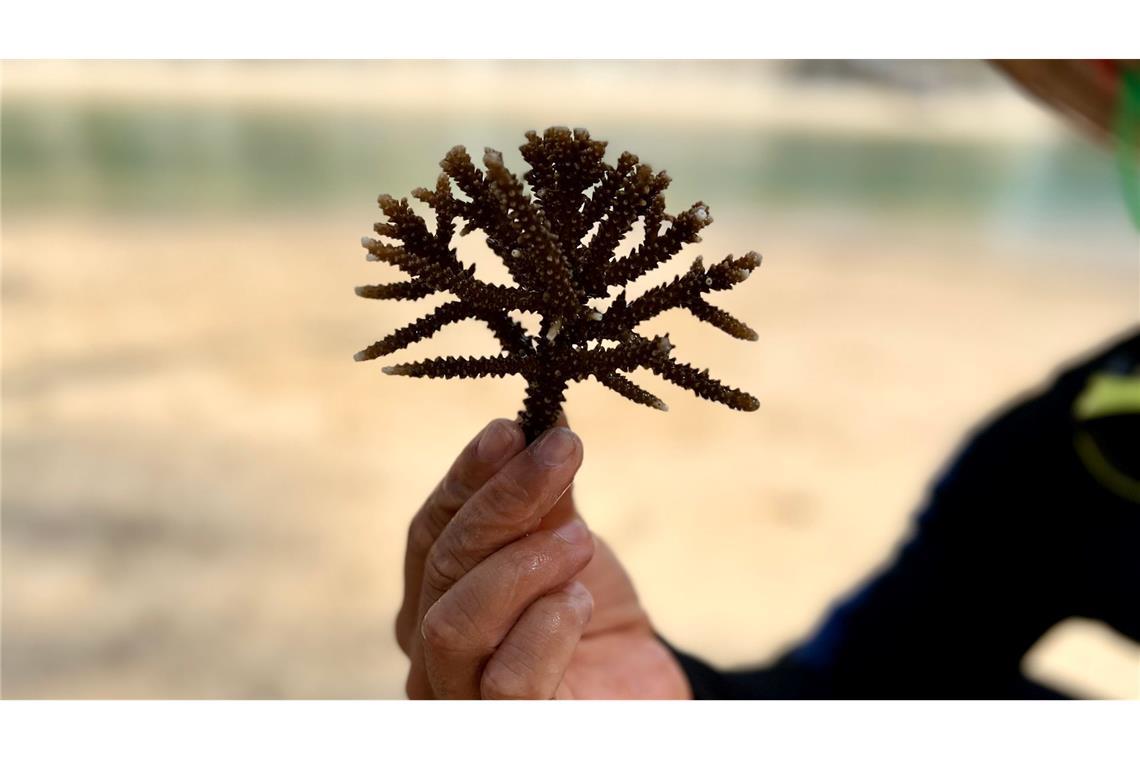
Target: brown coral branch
column 538, row 246
column 465, row 366
column 445, row 205
column 721, row 319
column 683, row 291
column 563, row 166
column 599, row 201
column 545, row 394
column 511, row 335
column 396, row 291
column 631, row 353
column 390, row 254
column 656, row 251
column 631, row 390
column 484, row 212
column 424, row 327
column 626, row 207
column 700, row 383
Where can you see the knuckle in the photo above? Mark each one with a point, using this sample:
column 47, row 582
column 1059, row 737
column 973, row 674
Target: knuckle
column 508, row 495
column 443, row 568
column 527, row 562
column 453, row 490
column 503, row 679
column 420, row 533
column 447, row 628
column 439, row 632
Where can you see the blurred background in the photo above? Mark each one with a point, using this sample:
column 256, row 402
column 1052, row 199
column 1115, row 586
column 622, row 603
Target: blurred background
column 203, row 496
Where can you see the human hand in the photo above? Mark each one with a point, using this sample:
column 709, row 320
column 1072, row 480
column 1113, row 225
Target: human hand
column 507, row 593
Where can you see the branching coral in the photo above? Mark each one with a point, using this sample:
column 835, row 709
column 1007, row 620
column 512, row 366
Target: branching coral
column 557, row 266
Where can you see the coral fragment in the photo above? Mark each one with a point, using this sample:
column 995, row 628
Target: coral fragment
column 541, row 237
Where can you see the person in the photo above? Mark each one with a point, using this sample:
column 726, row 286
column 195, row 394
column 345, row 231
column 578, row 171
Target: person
column 509, row 595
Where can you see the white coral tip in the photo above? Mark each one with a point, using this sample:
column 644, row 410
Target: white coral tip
column 555, row 328
column 659, row 404
column 367, row 242
column 515, row 253
column 360, row 356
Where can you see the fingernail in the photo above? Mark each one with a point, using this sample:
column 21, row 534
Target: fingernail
column 495, row 441
column 578, row 591
column 555, row 447
column 573, row 532
column 582, row 598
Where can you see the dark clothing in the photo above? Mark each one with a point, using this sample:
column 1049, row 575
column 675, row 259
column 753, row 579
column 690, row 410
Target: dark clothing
column 1018, row 534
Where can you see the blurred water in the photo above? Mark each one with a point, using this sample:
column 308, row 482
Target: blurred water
column 132, row 159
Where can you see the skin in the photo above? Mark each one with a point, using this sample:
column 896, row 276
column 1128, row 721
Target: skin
column 507, row 593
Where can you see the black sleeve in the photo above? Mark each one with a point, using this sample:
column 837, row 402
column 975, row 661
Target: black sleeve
column 784, row 679
column 706, row 682
column 1015, row 537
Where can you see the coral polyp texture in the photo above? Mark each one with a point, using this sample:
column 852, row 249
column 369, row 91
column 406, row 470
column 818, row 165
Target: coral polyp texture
column 559, row 242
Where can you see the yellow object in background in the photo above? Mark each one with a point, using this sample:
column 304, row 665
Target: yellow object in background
column 1108, row 395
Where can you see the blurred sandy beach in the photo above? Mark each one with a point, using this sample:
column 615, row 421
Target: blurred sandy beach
column 203, row 496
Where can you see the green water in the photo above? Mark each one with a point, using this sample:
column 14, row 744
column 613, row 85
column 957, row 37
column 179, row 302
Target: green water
column 202, row 160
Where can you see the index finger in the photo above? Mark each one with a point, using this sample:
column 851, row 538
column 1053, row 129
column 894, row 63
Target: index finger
column 510, row 504
column 483, row 456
